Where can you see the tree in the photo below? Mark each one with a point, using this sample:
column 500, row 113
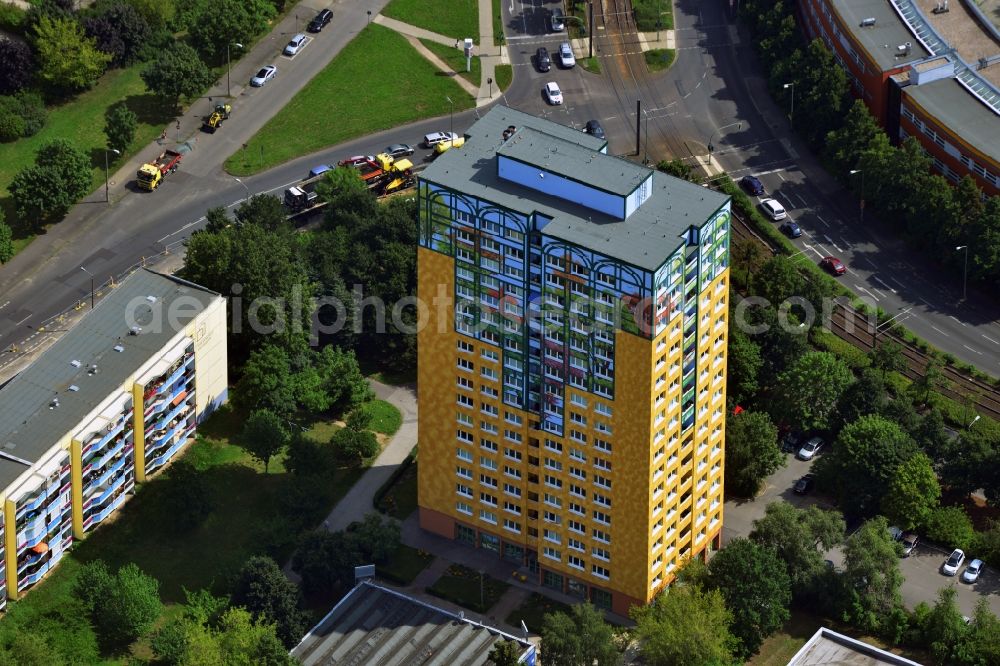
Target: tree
column 265, row 210
column 120, row 31
column 950, row 527
column 578, row 637
column 505, row 653
column 752, row 452
column 264, row 590
column 867, row 395
column 236, row 639
column 120, row 123
column 354, row 445
column 67, row 59
column 685, row 625
column 30, row 650
column 807, row 392
column 797, row 535
column 122, row 606
column 780, row 345
column 225, row 21
column 888, row 357
column 18, row 65
column 325, row 561
column 778, row 280
column 678, row 169
column 755, row 584
column 267, row 381
column 982, row 640
column 177, row 72
column 743, row 364
column 943, row 628
column 747, row 255
column 187, row 496
column 264, row 436
column 913, row 492
column 157, row 13
column 340, row 378
column 359, row 419
column 863, row 462
column 6, row 241
column 45, row 191
column 170, row 642
column 844, row 144
column 871, row 571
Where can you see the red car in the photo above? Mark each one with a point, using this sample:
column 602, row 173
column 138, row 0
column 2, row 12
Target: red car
column 834, row 265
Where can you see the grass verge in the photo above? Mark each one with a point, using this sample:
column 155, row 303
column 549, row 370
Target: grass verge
column 497, row 23
column 466, row 587
column 646, row 12
column 456, row 61
column 532, row 612
column 404, row 87
column 398, row 495
column 386, row 419
column 457, row 19
column 404, row 565
column 659, row 59
column 504, row 75
column 591, row 64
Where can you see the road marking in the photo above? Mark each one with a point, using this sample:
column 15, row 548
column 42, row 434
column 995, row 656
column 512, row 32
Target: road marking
column 4, row 305
column 769, row 172
column 825, row 223
column 991, row 339
column 23, row 320
column 973, row 350
column 901, row 285
column 956, row 319
column 868, row 292
column 876, row 278
column 938, row 330
column 778, row 173
column 805, row 204
column 878, row 292
column 926, row 302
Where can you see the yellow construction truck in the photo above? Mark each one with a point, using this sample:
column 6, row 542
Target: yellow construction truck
column 213, row 121
column 384, row 176
column 151, row 174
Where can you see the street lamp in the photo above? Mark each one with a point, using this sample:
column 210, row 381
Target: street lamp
column 452, row 133
column 862, row 204
column 965, row 271
column 791, row 111
column 91, row 286
column 229, row 69
column 244, row 186
column 711, row 147
column 107, row 194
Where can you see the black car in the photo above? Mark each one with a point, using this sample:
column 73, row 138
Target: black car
column 399, row 150
column 790, row 441
column 542, row 59
column 752, row 185
column 593, row 128
column 318, row 23
column 805, row 484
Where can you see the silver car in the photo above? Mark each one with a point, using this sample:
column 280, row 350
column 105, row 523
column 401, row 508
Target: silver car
column 264, row 75
column 810, row 449
column 294, row 46
column 971, row 573
column 953, row 563
column 566, row 57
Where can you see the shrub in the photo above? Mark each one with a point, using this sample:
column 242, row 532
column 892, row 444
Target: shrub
column 11, row 126
column 948, row 526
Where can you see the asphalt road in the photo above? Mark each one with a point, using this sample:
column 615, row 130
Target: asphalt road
column 921, row 570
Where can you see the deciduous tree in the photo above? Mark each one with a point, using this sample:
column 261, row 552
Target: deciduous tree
column 222, row 22
column 264, row 436
column 120, row 31
column 267, row 381
column 45, row 191
column 950, row 527
column 67, row 59
column 354, row 446
column 505, row 653
column 807, row 393
column 797, row 535
column 122, row 606
column 913, row 492
column 188, row 497
column 578, row 637
column 845, row 144
column 743, row 364
column 120, row 124
column 30, row 650
column 871, row 570
column 6, row 241
column 177, row 72
column 778, row 280
column 685, row 625
column 18, row 65
column 752, row 452
column 264, row 590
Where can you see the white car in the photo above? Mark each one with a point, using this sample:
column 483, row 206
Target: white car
column 810, row 449
column 558, row 21
column 971, row 573
column 294, row 46
column 953, row 563
column 552, row 93
column 774, row 210
column 434, row 138
column 264, row 75
column 566, row 57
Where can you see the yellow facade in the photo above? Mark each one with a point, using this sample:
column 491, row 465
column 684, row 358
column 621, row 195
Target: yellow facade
column 665, row 490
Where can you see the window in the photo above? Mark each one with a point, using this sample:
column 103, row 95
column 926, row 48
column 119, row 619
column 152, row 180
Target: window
column 465, row 364
column 465, row 383
column 577, row 454
column 486, row 463
column 511, row 417
column 553, row 445
column 576, row 562
column 489, row 409
column 577, row 527
column 512, row 435
column 551, row 553
column 552, row 481
column 601, row 536
column 463, row 454
column 601, row 463
column 510, row 507
column 601, row 572
column 577, row 490
column 464, row 436
column 602, row 517
column 486, row 498
column 552, row 517
column 489, row 355
column 552, row 535
column 577, row 473
column 487, row 480
column 601, row 554
column 463, row 490
column 488, row 516
column 575, row 544
column 488, row 373
column 552, row 464
column 602, row 444
column 578, row 400
column 512, row 472
column 464, row 346
column 513, row 454
column 577, row 509
column 512, row 526
column 464, row 507
column 511, row 490
column 602, row 500
column 464, row 472
column 553, row 500
column 488, row 444
column 465, row 400
column 602, row 481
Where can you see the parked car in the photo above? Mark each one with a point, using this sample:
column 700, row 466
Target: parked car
column 790, row 229
column 773, row 209
column 971, row 573
column 810, row 449
column 434, row 138
column 910, row 541
column 319, row 170
column 321, row 20
column 295, row 45
column 552, row 93
column 264, row 75
column 558, row 21
column 895, row 533
column 566, row 57
column 805, row 484
column 399, row 150
column 833, row 265
column 356, row 160
column 953, row 563
column 752, row 185
column 790, row 441
column 542, row 59
column 593, row 128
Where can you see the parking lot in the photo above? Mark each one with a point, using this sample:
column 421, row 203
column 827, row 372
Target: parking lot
column 921, row 570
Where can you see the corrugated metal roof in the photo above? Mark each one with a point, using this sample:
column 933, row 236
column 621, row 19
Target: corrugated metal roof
column 30, row 422
column 645, row 239
column 375, row 625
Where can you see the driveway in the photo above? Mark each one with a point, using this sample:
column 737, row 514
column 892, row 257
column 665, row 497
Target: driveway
column 921, row 571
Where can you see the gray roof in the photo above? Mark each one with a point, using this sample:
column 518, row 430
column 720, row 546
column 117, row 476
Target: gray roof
column 964, row 114
column 645, row 239
column 827, row 647
column 881, row 39
column 375, row 625
column 574, row 161
column 28, row 427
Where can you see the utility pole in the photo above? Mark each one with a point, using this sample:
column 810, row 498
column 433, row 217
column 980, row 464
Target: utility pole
column 91, row 286
column 965, row 272
column 638, row 126
column 590, row 15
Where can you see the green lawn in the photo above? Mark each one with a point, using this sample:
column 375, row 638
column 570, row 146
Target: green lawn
column 405, row 564
column 533, row 610
column 386, row 419
column 356, row 94
column 497, row 22
column 504, row 75
column 659, row 59
column 591, row 64
column 456, row 60
column 461, row 585
column 647, row 10
column 400, row 499
column 452, row 18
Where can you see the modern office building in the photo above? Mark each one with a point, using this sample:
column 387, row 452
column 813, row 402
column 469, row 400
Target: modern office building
column 111, row 402
column 926, row 69
column 572, row 358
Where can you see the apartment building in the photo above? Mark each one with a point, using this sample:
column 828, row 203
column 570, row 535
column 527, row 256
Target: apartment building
column 572, row 358
column 106, row 406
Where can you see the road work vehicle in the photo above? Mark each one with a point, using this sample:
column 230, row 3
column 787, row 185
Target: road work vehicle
column 213, row 121
column 151, row 174
column 383, row 176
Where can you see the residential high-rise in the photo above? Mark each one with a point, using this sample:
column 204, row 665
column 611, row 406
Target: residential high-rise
column 572, row 358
